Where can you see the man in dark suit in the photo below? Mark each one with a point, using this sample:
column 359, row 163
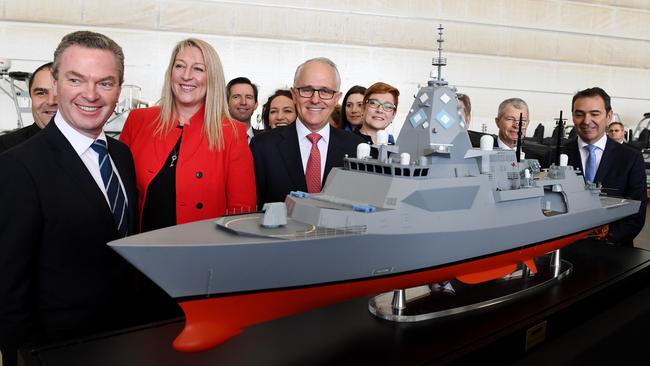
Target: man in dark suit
column 41, row 92
column 58, row 278
column 507, row 121
column 242, row 102
column 616, row 132
column 289, row 158
column 618, row 167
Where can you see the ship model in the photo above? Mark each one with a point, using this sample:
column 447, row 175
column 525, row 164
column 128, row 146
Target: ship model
column 428, row 209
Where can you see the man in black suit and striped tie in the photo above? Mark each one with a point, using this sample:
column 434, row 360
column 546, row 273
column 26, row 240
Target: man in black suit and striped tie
column 64, row 194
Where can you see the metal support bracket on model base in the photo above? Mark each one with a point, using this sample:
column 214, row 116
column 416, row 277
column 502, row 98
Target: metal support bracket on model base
column 421, row 303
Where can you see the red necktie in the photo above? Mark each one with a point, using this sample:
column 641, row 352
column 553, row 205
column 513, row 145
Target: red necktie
column 312, row 175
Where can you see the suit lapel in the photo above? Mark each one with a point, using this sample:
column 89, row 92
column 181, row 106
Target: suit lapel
column 334, row 149
column 124, row 167
column 69, row 162
column 607, row 160
column 290, row 151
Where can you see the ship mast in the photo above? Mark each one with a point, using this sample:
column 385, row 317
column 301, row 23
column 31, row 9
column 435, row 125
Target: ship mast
column 439, row 61
column 560, row 135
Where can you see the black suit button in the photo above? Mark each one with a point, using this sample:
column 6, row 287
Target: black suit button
column 199, row 205
column 199, row 175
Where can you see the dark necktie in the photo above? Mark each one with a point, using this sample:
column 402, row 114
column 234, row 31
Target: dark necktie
column 116, row 198
column 312, row 173
column 590, row 168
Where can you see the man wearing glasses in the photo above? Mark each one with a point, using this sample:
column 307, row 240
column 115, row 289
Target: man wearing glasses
column 299, row 157
column 508, row 122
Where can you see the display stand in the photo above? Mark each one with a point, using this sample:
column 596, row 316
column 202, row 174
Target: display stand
column 603, row 278
column 424, row 302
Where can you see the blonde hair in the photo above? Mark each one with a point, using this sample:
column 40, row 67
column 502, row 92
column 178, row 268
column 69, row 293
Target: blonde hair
column 216, row 106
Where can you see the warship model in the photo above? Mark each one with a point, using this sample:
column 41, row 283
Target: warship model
column 427, row 209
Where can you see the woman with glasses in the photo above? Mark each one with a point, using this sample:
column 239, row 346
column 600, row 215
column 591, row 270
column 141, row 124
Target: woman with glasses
column 353, row 107
column 192, row 161
column 380, row 103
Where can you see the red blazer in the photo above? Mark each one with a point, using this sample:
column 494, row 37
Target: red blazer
column 209, row 184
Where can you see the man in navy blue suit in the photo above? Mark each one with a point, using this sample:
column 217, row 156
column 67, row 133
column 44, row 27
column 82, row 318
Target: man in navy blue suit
column 282, row 156
column 58, row 278
column 618, row 167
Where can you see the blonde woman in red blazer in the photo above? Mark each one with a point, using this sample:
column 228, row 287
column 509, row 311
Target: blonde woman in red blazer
column 192, row 162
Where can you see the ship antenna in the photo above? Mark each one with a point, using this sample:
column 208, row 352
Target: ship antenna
column 439, row 61
column 521, row 117
column 560, row 132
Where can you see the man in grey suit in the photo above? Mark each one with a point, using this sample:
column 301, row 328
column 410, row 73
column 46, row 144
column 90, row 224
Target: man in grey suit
column 286, row 158
column 63, row 197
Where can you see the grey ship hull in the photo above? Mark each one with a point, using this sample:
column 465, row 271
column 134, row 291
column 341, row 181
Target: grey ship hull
column 198, row 259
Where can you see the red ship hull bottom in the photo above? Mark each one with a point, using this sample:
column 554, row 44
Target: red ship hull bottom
column 212, row 321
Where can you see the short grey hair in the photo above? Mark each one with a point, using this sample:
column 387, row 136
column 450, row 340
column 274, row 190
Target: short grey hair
column 91, row 40
column 323, row 60
column 518, row 103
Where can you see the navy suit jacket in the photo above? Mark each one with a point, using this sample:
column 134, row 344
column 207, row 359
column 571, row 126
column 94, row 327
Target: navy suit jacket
column 16, row 137
column 58, row 278
column 622, row 173
column 278, row 164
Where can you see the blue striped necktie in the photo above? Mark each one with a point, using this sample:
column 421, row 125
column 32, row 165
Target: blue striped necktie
column 116, row 198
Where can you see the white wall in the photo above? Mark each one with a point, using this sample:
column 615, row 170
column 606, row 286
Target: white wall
column 540, row 50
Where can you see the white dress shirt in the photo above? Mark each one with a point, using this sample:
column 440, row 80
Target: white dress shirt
column 584, row 152
column 504, row 146
column 81, row 144
column 305, row 145
column 249, row 133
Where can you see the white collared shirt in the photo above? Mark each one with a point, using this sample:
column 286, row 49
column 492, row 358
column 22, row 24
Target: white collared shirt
column 504, row 146
column 305, row 145
column 249, row 133
column 81, row 144
column 584, row 152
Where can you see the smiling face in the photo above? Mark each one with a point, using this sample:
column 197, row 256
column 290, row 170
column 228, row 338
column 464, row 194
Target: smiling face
column 44, row 103
column 241, row 103
column 508, row 124
column 354, row 108
column 189, row 79
column 87, row 87
column 314, row 111
column 282, row 111
column 590, row 118
column 378, row 118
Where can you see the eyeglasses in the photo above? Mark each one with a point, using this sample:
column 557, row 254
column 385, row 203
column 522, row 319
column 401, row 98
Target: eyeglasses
column 374, row 104
column 323, row 93
column 516, row 120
